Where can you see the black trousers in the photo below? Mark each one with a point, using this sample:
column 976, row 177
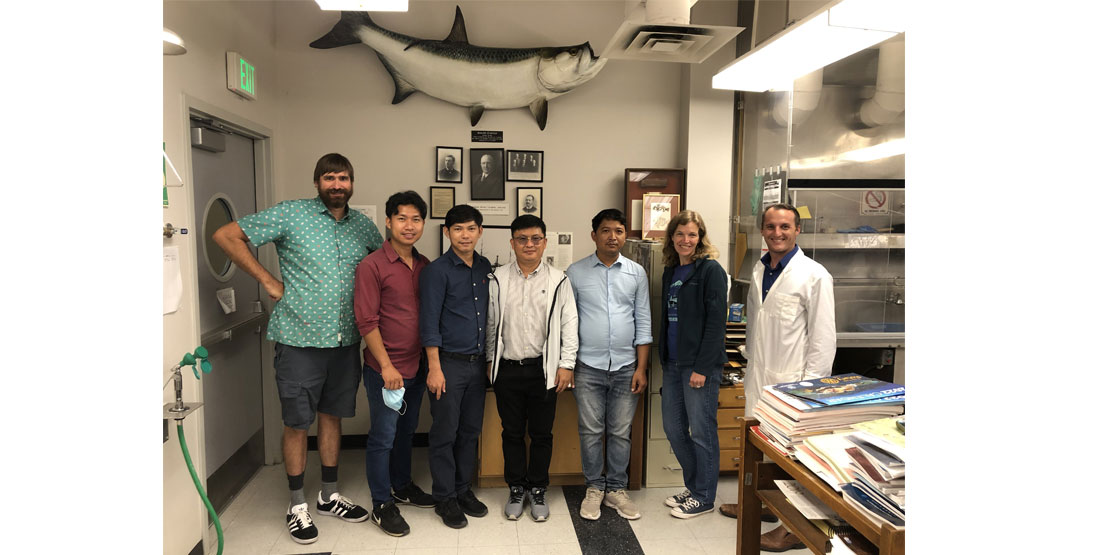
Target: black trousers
column 526, row 407
column 456, row 425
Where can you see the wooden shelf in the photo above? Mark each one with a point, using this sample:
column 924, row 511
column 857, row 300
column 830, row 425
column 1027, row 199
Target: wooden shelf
column 756, row 484
column 810, row 535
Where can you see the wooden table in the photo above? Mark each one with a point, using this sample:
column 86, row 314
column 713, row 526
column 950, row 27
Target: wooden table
column 757, row 482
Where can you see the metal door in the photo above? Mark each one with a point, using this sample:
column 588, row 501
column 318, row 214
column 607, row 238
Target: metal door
column 231, row 326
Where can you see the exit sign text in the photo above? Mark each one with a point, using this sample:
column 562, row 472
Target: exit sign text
column 240, row 75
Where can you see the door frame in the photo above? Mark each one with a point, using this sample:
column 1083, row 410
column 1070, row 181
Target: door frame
column 265, row 185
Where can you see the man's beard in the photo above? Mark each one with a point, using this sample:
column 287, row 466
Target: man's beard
column 335, row 203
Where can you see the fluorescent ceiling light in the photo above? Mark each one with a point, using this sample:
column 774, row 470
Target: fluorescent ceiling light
column 813, row 43
column 365, row 5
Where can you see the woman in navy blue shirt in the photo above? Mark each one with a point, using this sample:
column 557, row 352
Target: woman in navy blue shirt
column 692, row 350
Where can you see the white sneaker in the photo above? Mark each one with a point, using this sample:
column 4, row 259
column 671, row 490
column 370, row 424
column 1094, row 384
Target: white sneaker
column 590, row 507
column 620, row 501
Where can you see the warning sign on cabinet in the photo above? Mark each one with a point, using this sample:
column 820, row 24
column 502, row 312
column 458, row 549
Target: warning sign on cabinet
column 874, row 203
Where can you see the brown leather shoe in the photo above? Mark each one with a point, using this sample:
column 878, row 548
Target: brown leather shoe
column 730, row 510
column 780, row 540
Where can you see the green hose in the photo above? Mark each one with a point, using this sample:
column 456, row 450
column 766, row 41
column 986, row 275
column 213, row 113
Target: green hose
column 198, row 486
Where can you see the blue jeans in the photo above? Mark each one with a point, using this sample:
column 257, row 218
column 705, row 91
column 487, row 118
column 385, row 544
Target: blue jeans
column 690, row 417
column 604, row 404
column 389, row 442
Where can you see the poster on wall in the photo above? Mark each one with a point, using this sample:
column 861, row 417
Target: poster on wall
column 657, row 211
column 559, row 249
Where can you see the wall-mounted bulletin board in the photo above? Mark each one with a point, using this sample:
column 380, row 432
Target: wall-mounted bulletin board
column 645, row 181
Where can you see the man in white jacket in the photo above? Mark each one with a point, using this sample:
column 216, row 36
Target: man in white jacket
column 791, row 330
column 531, row 346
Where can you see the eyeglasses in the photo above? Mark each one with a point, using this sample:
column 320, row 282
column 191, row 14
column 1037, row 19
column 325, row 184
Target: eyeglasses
column 523, row 240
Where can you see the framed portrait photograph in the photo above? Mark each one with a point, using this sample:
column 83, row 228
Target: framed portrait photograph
column 494, row 244
column 486, row 174
column 529, row 201
column 440, row 200
column 448, row 164
column 525, row 165
column 643, row 181
column 657, row 211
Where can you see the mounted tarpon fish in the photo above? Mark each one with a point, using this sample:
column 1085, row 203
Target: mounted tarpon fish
column 478, row 77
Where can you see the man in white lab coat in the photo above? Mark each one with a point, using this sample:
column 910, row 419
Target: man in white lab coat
column 791, row 330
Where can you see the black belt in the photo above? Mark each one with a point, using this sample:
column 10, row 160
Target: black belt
column 460, row 356
column 537, row 361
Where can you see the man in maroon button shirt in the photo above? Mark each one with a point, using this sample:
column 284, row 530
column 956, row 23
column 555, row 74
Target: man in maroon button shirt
column 387, row 308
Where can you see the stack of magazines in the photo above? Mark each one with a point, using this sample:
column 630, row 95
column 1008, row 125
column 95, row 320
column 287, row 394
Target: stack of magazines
column 877, row 465
column 791, row 412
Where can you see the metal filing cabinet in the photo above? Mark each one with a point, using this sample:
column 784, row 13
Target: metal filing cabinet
column 661, row 467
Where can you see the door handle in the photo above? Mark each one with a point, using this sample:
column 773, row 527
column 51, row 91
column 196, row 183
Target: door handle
column 225, row 333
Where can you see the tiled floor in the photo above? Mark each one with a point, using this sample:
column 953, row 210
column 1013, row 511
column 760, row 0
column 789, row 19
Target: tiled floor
column 254, row 522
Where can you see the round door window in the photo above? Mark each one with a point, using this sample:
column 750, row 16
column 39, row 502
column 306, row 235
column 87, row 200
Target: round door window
column 218, row 213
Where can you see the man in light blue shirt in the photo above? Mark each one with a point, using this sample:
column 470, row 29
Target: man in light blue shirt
column 612, row 295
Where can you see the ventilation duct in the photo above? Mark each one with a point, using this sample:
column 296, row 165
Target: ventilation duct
column 661, row 31
column 889, row 99
column 807, row 94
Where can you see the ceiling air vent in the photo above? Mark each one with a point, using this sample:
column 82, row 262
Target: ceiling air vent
column 643, row 41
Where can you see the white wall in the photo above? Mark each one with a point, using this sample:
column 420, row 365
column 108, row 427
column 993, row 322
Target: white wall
column 708, row 134
column 339, row 100
column 209, row 29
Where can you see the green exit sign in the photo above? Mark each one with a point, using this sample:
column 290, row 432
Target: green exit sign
column 240, row 76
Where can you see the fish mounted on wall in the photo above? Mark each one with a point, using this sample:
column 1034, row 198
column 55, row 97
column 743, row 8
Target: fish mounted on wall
column 477, row 77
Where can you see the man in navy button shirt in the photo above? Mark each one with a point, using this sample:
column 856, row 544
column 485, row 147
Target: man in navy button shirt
column 791, row 329
column 454, row 301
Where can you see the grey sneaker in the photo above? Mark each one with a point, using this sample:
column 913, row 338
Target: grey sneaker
column 678, row 499
column 540, row 511
column 590, row 507
column 620, row 501
column 514, row 507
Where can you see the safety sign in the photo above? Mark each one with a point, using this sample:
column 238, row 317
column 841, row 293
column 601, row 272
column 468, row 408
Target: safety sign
column 874, row 203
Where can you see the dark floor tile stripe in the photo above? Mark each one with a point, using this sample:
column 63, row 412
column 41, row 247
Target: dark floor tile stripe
column 610, row 535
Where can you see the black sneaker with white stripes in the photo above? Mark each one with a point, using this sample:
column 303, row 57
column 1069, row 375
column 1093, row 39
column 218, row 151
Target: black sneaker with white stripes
column 340, row 506
column 300, row 524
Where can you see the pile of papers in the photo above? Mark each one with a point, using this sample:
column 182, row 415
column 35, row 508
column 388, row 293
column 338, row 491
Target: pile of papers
column 791, row 412
column 845, row 430
column 877, row 464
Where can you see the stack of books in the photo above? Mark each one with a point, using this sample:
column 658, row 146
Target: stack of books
column 847, row 430
column 789, row 413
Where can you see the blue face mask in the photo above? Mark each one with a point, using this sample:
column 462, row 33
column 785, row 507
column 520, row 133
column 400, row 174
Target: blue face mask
column 395, row 399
